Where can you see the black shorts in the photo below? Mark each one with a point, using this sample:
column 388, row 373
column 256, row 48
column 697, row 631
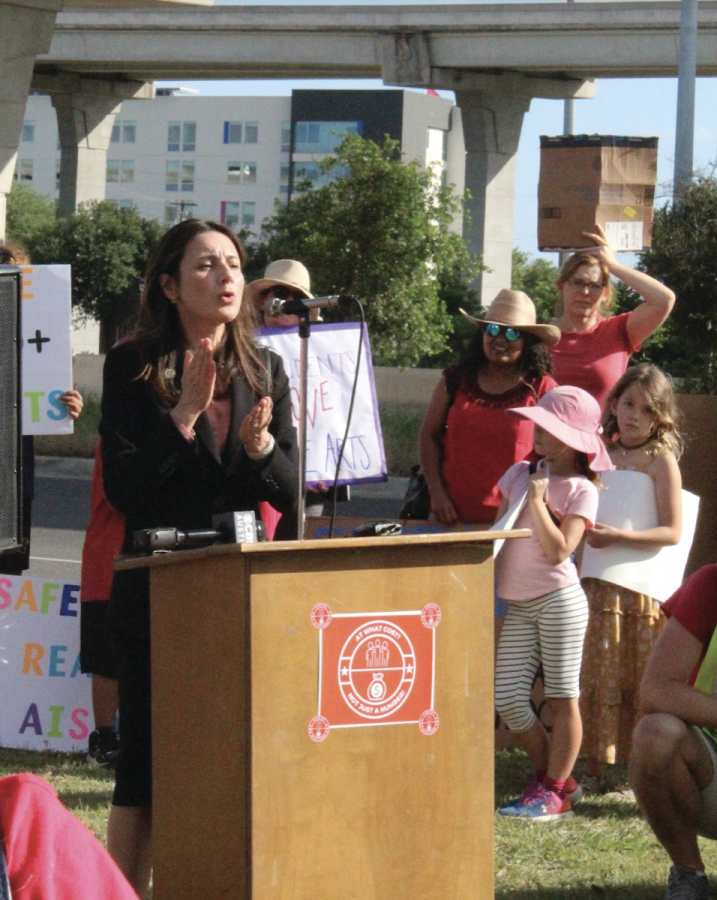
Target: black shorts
column 97, row 656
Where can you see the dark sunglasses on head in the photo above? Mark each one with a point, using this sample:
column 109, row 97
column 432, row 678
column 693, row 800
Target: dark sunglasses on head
column 511, row 334
column 282, row 293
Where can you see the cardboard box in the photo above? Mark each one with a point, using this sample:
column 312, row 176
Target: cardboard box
column 589, row 179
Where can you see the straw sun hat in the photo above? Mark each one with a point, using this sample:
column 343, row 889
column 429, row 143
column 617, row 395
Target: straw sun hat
column 516, row 309
column 287, row 272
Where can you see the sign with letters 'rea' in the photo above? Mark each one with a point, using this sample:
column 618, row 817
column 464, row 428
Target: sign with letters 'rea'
column 332, row 362
column 46, row 313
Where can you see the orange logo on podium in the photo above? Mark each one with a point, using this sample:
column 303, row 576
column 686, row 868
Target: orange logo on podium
column 377, row 668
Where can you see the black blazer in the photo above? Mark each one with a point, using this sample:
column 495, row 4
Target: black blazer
column 157, row 478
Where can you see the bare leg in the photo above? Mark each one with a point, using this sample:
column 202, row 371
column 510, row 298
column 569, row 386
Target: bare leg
column 669, row 767
column 129, row 841
column 105, row 700
column 565, row 738
column 535, row 743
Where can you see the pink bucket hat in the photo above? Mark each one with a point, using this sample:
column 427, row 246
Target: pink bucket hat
column 572, row 416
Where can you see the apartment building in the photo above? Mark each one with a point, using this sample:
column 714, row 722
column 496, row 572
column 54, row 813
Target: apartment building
column 232, row 158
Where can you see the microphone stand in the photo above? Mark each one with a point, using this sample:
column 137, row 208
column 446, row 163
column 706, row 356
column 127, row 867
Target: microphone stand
column 304, row 335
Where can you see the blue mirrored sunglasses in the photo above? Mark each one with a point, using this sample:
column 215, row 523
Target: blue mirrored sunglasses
column 511, row 334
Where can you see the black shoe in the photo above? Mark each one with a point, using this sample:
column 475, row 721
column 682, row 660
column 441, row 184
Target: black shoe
column 103, row 748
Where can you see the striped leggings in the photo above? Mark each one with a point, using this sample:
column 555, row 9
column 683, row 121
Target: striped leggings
column 548, row 630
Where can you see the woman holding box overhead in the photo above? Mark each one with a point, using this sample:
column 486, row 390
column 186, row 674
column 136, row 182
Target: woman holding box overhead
column 196, row 420
column 595, row 347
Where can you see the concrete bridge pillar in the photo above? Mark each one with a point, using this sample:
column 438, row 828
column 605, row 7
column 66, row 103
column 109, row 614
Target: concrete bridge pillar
column 492, row 108
column 492, row 123
column 26, row 31
column 86, row 110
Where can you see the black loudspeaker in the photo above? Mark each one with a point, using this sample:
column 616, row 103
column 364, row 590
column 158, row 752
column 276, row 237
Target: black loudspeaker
column 11, row 532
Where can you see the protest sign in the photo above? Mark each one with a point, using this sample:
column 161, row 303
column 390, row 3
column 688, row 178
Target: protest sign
column 46, row 349
column 332, row 362
column 45, row 703
column 627, row 501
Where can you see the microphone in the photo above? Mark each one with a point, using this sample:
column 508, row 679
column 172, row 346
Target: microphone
column 278, row 307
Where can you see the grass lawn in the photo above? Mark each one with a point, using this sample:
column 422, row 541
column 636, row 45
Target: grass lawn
column 605, row 850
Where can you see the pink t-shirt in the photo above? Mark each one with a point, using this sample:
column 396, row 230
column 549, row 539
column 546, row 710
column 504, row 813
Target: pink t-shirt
column 594, row 360
column 522, row 570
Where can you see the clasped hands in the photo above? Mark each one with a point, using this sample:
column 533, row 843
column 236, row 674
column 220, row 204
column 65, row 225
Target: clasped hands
column 198, row 380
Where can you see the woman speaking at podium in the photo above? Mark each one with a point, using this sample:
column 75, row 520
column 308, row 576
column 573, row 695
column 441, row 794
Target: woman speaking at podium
column 196, row 420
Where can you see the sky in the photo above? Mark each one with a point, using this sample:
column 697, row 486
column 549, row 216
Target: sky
column 637, row 107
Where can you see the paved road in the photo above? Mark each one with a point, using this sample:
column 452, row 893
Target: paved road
column 62, row 505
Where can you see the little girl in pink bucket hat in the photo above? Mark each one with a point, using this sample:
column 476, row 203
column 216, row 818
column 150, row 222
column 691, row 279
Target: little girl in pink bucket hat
column 548, row 611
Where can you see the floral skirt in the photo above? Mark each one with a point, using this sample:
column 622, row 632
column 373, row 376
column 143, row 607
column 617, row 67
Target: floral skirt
column 622, row 630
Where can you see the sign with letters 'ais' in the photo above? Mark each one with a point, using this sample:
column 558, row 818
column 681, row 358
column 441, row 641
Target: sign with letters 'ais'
column 45, row 702
column 332, row 359
column 46, row 312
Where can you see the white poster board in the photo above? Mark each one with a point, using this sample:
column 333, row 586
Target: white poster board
column 45, row 703
column 332, row 359
column 627, row 500
column 46, row 317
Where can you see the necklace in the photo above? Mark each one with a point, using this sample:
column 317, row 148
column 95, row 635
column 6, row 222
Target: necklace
column 626, row 450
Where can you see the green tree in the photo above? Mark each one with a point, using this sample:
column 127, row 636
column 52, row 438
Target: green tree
column 538, row 279
column 28, row 213
column 682, row 255
column 380, row 229
column 108, row 250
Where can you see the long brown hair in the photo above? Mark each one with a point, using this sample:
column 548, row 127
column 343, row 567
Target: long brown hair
column 661, row 396
column 160, row 339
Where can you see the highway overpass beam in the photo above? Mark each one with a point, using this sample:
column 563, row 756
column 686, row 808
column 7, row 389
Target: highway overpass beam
column 86, row 110
column 26, row 32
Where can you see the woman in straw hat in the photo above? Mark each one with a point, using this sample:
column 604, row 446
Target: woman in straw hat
column 466, row 441
column 284, row 279
column 595, row 346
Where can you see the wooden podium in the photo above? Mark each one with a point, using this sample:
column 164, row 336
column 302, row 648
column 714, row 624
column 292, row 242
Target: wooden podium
column 280, row 769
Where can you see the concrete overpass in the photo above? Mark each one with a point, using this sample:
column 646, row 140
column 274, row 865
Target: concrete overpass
column 495, row 57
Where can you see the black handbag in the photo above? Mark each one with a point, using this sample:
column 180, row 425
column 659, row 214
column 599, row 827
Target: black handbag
column 416, row 501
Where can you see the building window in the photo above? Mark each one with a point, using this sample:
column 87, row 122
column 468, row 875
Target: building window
column 170, row 213
column 23, row 172
column 232, row 132
column 187, row 176
column 306, row 171
column 248, row 213
column 174, row 133
column 230, row 214
column 124, row 132
column 241, row 173
column 323, row 137
column 284, row 179
column 28, row 132
column 248, row 173
column 189, row 137
column 181, row 135
column 58, row 170
column 112, row 170
column 126, row 204
column 286, row 136
column 251, row 132
column 172, row 175
column 127, row 171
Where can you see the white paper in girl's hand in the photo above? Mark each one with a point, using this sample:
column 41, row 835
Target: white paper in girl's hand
column 627, row 500
column 507, row 521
